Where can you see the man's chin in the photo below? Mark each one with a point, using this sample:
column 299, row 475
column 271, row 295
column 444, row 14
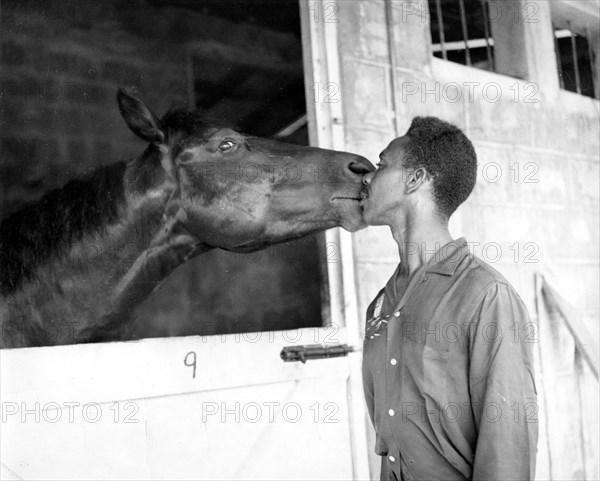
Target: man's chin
column 371, row 220
column 367, row 216
column 353, row 225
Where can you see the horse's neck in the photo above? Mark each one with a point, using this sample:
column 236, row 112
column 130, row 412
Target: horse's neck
column 92, row 293
column 155, row 258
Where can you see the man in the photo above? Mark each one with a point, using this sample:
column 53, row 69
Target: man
column 448, row 376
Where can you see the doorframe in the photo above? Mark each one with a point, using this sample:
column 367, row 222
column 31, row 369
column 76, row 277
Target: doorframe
column 326, row 129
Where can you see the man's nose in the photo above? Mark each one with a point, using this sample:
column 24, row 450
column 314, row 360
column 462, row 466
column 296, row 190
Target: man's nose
column 366, row 180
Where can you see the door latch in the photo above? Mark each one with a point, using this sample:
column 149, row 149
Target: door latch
column 314, row 351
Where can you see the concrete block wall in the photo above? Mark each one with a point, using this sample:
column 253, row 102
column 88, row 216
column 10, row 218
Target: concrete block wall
column 535, row 207
column 60, row 73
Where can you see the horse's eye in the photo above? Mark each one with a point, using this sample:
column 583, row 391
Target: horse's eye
column 226, row 145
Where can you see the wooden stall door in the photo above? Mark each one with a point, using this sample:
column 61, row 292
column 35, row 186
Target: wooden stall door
column 221, row 407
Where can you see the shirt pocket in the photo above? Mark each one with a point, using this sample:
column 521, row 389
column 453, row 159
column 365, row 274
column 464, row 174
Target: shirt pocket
column 435, row 362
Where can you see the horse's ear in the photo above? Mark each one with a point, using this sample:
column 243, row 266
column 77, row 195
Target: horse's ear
column 140, row 118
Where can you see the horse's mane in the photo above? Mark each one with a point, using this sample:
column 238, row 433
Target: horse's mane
column 36, row 233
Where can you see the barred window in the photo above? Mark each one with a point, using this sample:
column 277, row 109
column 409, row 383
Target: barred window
column 574, row 61
column 461, row 33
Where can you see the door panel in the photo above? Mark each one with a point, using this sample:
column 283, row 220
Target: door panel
column 131, row 410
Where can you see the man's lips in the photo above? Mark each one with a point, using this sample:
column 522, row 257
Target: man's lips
column 364, row 195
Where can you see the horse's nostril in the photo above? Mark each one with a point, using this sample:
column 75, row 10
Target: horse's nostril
column 360, row 166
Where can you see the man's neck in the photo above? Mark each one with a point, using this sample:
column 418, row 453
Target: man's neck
column 418, row 240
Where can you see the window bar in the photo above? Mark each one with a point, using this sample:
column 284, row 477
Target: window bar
column 561, row 80
column 590, row 55
column 589, row 44
column 463, row 21
column 575, row 63
column 486, row 27
column 440, row 22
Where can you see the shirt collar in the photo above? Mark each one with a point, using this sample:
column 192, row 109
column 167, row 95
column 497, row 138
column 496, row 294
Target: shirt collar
column 446, row 259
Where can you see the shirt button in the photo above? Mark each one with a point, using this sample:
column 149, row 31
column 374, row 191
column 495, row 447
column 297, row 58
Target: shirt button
column 392, row 458
column 393, row 362
column 397, row 314
column 391, row 412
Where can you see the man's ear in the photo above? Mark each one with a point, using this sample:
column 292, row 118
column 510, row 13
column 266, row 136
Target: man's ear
column 140, row 118
column 416, row 179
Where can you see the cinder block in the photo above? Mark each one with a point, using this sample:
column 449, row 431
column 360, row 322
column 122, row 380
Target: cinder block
column 375, row 242
column 568, row 234
column 556, row 127
column 411, row 34
column 591, row 221
column 69, row 121
column 122, row 73
column 527, row 288
column 85, row 93
column 577, row 284
column 78, row 152
column 102, row 153
column 585, row 177
column 495, row 180
column 14, row 53
column 365, row 93
column 12, row 118
column 364, row 33
column 46, row 150
column 583, row 132
column 508, row 235
column 591, row 429
column 420, row 95
column 540, row 178
column 27, row 161
column 368, row 143
column 462, row 222
column 24, row 86
column 15, row 148
column 500, row 120
column 71, row 64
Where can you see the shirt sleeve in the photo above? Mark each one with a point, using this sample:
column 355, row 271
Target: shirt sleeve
column 502, row 387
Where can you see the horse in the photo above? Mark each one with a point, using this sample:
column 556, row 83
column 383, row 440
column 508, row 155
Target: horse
column 77, row 264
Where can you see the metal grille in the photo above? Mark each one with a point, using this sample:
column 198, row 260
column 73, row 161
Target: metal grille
column 460, row 32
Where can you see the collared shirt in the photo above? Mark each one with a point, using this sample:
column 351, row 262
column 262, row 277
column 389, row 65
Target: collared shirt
column 448, row 373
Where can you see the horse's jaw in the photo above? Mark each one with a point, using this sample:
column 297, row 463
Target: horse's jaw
column 269, row 240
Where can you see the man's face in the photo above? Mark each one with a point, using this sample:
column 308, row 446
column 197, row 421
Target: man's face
column 383, row 194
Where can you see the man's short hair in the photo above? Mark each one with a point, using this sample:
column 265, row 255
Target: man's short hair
column 447, row 155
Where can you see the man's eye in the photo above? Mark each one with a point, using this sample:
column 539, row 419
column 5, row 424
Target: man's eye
column 226, row 145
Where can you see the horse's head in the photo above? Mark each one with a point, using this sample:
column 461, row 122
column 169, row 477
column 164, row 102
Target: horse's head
column 239, row 192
